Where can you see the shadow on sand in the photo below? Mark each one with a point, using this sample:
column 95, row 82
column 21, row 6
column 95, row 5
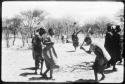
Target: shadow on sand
column 26, row 74
column 30, row 68
column 71, row 51
column 36, row 78
column 39, row 78
column 108, row 71
column 83, row 81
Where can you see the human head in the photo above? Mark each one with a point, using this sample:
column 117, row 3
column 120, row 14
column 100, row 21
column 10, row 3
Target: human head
column 117, row 28
column 50, row 31
column 88, row 40
column 109, row 28
column 41, row 31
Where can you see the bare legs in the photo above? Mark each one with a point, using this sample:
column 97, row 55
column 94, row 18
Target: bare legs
column 41, row 66
column 103, row 76
column 96, row 76
column 37, row 61
column 95, row 73
column 36, row 64
column 51, row 72
column 49, row 68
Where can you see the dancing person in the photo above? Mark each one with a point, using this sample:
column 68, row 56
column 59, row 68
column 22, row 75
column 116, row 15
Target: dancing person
column 116, row 47
column 62, row 38
column 49, row 53
column 102, row 57
column 37, row 49
column 75, row 39
column 119, row 43
column 108, row 44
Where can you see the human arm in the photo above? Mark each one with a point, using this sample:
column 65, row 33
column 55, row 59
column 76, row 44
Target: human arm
column 55, row 54
column 87, row 51
column 48, row 41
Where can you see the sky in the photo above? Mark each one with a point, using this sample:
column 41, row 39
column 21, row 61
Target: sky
column 81, row 10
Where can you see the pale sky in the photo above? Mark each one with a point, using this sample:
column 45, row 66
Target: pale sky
column 77, row 9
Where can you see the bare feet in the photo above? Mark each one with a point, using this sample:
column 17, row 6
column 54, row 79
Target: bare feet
column 102, row 78
column 44, row 76
column 35, row 72
column 114, row 69
column 51, row 78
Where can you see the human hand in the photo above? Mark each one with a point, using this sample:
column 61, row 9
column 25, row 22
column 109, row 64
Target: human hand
column 89, row 52
column 81, row 47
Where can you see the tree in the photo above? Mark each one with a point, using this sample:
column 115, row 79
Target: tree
column 6, row 29
column 98, row 26
column 120, row 17
column 61, row 26
column 32, row 18
column 16, row 23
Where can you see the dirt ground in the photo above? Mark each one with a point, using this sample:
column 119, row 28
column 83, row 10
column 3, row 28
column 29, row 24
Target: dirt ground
column 18, row 65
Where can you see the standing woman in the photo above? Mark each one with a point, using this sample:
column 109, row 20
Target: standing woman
column 37, row 48
column 75, row 40
column 116, row 47
column 49, row 53
column 109, row 43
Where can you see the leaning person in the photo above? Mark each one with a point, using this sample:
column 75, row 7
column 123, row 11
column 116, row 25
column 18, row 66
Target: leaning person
column 102, row 57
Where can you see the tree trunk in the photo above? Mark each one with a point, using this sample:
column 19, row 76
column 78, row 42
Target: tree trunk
column 8, row 44
column 23, row 39
column 31, row 35
column 7, row 39
column 14, row 37
column 27, row 41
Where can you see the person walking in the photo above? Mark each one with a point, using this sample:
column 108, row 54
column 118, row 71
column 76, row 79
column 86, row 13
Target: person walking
column 37, row 49
column 116, row 47
column 49, row 54
column 108, row 44
column 75, row 40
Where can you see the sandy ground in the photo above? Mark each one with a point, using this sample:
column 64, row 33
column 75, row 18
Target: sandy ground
column 18, row 65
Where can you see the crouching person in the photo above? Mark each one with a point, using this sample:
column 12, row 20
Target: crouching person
column 102, row 57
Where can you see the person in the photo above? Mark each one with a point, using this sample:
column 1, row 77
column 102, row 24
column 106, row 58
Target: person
column 75, row 39
column 108, row 44
column 37, row 49
column 102, row 57
column 116, row 47
column 49, row 53
column 119, row 43
column 62, row 38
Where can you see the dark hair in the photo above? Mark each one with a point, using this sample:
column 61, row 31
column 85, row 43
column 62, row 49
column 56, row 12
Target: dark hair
column 118, row 28
column 88, row 40
column 109, row 28
column 50, row 31
column 41, row 31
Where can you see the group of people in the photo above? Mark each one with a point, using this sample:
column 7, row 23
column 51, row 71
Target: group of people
column 43, row 51
column 113, row 44
column 106, row 55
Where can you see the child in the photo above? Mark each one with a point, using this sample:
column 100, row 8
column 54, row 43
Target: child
column 101, row 57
